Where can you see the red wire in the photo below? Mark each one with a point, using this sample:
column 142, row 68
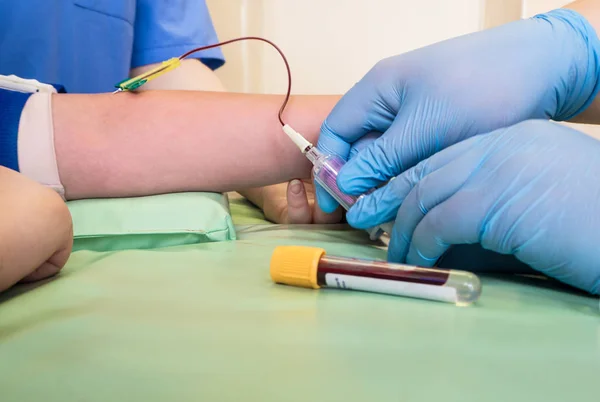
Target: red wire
column 287, row 66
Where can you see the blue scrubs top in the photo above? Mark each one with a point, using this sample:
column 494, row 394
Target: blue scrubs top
column 89, row 45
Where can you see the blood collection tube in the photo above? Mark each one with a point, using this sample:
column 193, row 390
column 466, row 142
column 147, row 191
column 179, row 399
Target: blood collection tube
column 310, row 267
column 325, row 172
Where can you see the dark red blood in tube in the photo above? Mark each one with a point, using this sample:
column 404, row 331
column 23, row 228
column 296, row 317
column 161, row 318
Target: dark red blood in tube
column 378, row 270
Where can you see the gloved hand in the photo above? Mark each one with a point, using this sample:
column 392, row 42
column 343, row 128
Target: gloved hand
column 431, row 98
column 531, row 190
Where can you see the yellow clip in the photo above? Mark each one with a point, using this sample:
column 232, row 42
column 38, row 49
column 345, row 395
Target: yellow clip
column 131, row 84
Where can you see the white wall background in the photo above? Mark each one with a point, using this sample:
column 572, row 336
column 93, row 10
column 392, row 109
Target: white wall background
column 532, row 7
column 331, row 44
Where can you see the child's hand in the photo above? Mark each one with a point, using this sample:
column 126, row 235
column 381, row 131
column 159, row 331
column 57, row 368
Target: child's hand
column 294, row 202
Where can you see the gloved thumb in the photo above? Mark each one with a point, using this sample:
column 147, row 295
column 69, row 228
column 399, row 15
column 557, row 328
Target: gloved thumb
column 358, row 113
column 371, row 167
column 330, row 144
column 326, row 202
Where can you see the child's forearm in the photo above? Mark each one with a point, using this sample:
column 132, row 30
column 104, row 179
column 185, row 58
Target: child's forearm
column 169, row 141
column 35, row 228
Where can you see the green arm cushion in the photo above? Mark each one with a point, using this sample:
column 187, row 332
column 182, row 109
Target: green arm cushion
column 150, row 222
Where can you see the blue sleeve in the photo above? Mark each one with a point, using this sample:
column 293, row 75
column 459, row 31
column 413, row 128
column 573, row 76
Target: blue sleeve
column 11, row 105
column 165, row 29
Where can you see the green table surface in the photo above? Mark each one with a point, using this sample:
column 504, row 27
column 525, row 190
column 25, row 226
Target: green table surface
column 204, row 323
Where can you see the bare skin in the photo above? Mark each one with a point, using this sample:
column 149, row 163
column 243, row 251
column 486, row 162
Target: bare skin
column 281, row 203
column 170, row 141
column 35, row 229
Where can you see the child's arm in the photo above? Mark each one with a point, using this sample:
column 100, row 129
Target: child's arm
column 167, row 141
column 279, row 202
column 35, row 230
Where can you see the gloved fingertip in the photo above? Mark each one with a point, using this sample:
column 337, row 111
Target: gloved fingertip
column 393, row 255
column 326, row 202
column 363, row 143
column 398, row 247
column 417, row 259
column 331, row 143
column 351, row 182
column 350, row 186
column 355, row 218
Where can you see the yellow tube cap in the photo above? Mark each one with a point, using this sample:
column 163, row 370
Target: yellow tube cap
column 296, row 265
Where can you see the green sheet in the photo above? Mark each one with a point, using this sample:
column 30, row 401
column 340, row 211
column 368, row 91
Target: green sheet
column 244, row 213
column 203, row 322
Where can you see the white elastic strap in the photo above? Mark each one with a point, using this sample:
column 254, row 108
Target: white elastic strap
column 18, row 84
column 37, row 156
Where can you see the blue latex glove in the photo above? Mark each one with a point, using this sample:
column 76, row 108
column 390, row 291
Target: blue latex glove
column 430, row 98
column 531, row 190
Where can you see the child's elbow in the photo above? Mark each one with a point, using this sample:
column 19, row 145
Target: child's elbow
column 36, row 229
column 61, row 227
